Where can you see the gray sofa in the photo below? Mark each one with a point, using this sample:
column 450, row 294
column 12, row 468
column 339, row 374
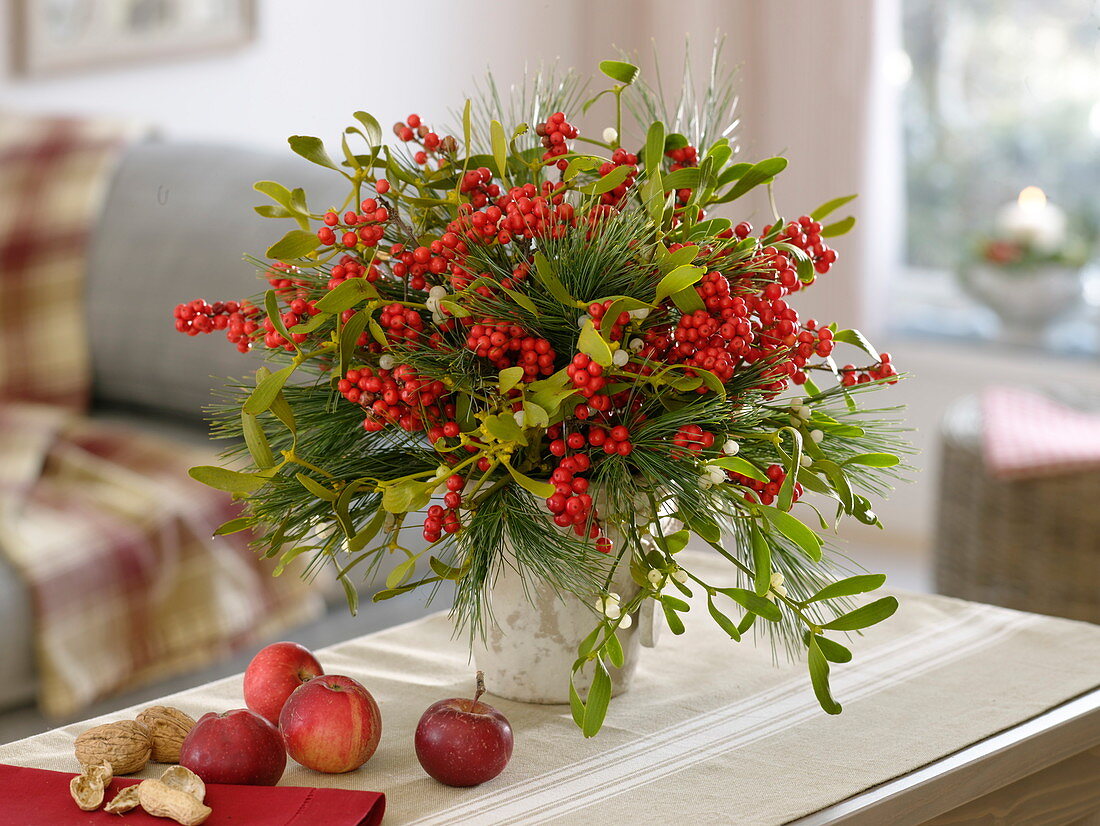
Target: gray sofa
column 176, row 224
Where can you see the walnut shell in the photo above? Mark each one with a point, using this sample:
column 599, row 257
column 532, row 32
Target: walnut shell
column 126, row 745
column 168, row 726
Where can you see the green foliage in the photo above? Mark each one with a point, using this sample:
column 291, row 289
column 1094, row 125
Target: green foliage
column 321, row 488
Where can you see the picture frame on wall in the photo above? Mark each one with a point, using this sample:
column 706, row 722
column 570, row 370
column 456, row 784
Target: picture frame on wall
column 53, row 37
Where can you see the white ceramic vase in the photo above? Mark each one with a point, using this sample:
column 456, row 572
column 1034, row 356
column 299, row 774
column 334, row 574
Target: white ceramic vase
column 531, row 645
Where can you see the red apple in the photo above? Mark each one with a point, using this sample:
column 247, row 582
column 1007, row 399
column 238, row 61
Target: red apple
column 273, row 675
column 331, row 724
column 237, row 746
column 462, row 742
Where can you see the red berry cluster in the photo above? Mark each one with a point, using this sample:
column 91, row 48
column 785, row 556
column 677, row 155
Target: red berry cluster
column 279, row 279
column 691, row 438
column 522, row 212
column 765, row 491
column 554, row 133
column 507, row 345
column 236, row 318
column 571, row 504
column 620, row 157
column 476, row 184
column 349, row 267
column 401, row 323
column 588, row 378
column 298, row 310
column 850, row 374
column 805, row 233
column 399, row 396
column 365, row 227
column 419, row 263
column 413, row 129
column 442, row 519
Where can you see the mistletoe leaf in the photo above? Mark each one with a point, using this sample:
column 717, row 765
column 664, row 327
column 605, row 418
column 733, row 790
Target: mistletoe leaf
column 500, row 148
column 543, row 490
column 864, row 616
column 679, row 279
column 294, row 245
column 268, row 388
column 873, row 460
column 372, row 131
column 839, row 228
column 224, row 479
column 256, row 441
column 829, row 207
column 545, row 274
column 592, row 344
column 819, row 678
column 510, row 377
column 312, row 149
column 619, row 70
column 750, row 601
column 743, row 466
column 795, row 530
column 316, row 488
column 346, row 295
column 608, row 182
column 761, row 560
column 654, row 146
column 723, row 622
column 758, row 173
column 599, row 697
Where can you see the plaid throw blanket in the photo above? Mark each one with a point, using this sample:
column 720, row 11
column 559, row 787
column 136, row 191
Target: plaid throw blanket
column 109, row 534
column 54, row 173
column 115, row 542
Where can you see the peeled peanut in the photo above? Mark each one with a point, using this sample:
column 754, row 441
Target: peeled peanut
column 161, row 800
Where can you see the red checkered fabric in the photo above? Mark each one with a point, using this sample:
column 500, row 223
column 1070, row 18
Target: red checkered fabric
column 114, row 541
column 1029, row 435
column 108, row 532
column 54, row 174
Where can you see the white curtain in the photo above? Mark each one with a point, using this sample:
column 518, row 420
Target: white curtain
column 815, row 86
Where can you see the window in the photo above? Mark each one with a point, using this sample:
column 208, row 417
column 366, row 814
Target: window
column 1001, row 95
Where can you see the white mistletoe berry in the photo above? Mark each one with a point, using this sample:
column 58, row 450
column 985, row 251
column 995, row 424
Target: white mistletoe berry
column 731, row 447
column 584, row 319
column 680, row 575
column 520, row 417
column 655, row 577
column 437, row 292
column 805, row 461
column 817, row 436
column 636, row 344
column 640, row 314
column 627, row 621
column 386, row 361
column 610, row 135
column 620, row 357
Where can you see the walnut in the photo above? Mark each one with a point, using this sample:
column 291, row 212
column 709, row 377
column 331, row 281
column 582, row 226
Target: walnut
column 125, row 745
column 169, row 726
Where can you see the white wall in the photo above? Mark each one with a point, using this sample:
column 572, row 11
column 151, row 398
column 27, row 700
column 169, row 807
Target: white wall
column 310, row 67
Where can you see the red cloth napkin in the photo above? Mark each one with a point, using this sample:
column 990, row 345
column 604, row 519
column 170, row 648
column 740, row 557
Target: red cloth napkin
column 37, row 797
column 1029, row 435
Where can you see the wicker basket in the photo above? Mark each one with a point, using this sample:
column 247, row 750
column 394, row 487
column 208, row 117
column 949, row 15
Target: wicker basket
column 1031, row 544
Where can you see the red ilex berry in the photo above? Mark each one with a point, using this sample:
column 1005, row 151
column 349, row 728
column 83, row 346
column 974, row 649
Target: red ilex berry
column 554, row 133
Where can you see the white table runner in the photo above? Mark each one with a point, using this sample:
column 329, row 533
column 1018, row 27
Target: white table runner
column 711, row 732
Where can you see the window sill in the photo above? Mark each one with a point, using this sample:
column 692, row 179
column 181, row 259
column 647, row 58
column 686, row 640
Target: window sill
column 930, row 305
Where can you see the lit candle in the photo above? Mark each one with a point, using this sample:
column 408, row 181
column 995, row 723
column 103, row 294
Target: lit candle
column 1032, row 221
